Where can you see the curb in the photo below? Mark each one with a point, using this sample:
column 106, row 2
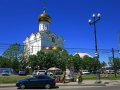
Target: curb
column 7, row 86
column 83, row 85
column 93, row 85
column 4, row 86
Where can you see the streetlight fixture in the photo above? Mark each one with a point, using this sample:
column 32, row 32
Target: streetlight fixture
column 93, row 22
column 119, row 51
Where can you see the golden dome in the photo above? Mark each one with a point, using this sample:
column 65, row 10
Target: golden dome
column 52, row 48
column 47, row 48
column 56, row 48
column 44, row 17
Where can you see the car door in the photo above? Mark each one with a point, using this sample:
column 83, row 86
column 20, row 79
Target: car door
column 41, row 81
column 32, row 82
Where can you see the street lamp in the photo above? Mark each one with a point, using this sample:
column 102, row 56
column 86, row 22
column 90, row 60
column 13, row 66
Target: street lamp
column 93, row 22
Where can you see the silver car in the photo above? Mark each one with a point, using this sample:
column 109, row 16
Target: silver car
column 6, row 73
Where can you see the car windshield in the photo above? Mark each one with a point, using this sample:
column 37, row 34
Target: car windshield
column 41, row 77
column 21, row 71
column 85, row 70
column 31, row 78
column 5, row 71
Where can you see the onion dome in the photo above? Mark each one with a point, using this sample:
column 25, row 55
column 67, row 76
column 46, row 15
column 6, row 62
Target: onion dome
column 47, row 48
column 44, row 17
column 56, row 48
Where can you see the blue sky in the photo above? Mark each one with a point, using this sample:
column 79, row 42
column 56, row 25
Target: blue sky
column 19, row 18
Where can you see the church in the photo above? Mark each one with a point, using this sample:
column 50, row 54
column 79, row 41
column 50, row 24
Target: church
column 44, row 39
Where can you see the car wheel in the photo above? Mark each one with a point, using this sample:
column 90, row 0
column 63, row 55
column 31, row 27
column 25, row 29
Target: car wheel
column 22, row 86
column 47, row 86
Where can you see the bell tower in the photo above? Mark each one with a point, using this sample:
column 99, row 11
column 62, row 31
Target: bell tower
column 44, row 21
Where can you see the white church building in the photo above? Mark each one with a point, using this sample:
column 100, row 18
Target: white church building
column 44, row 39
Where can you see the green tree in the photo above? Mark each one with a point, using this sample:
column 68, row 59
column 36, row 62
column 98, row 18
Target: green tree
column 45, row 60
column 14, row 52
column 41, row 58
column 5, row 63
column 103, row 64
column 51, row 59
column 23, row 63
column 63, row 60
column 115, row 64
column 33, row 62
column 89, row 63
column 15, row 65
column 77, row 62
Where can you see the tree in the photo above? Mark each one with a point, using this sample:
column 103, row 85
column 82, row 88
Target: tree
column 103, row 64
column 45, row 60
column 23, row 63
column 14, row 52
column 15, row 65
column 63, row 60
column 5, row 63
column 115, row 64
column 52, row 59
column 89, row 63
column 33, row 62
column 77, row 62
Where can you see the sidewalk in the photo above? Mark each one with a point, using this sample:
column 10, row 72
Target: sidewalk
column 84, row 83
column 7, row 85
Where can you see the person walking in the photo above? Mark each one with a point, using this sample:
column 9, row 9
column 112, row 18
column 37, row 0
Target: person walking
column 79, row 76
column 64, row 73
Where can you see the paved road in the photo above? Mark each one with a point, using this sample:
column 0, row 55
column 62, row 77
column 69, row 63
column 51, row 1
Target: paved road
column 73, row 88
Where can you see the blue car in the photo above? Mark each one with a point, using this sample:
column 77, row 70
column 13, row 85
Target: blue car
column 43, row 81
column 6, row 73
column 22, row 72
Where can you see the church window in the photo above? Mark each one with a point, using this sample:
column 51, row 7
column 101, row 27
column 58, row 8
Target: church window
column 45, row 27
column 53, row 39
column 41, row 26
column 35, row 39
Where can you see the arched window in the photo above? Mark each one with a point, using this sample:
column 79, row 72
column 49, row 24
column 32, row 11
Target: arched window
column 53, row 39
column 35, row 38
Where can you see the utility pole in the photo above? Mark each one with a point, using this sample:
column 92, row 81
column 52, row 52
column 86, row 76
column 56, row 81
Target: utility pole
column 119, row 42
column 114, row 62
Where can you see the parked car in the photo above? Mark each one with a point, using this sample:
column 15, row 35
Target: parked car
column 39, row 72
column 85, row 72
column 118, row 71
column 37, row 81
column 22, row 72
column 5, row 73
column 109, row 71
column 49, row 73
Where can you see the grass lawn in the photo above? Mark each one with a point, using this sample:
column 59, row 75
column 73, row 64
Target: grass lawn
column 112, row 77
column 15, row 78
column 102, row 76
column 11, row 79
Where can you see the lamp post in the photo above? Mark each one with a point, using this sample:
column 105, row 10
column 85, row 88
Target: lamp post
column 93, row 22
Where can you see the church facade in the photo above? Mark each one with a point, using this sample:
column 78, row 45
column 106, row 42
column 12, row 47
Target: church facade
column 44, row 39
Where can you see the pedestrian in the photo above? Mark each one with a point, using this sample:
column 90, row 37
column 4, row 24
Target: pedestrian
column 64, row 73
column 79, row 76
